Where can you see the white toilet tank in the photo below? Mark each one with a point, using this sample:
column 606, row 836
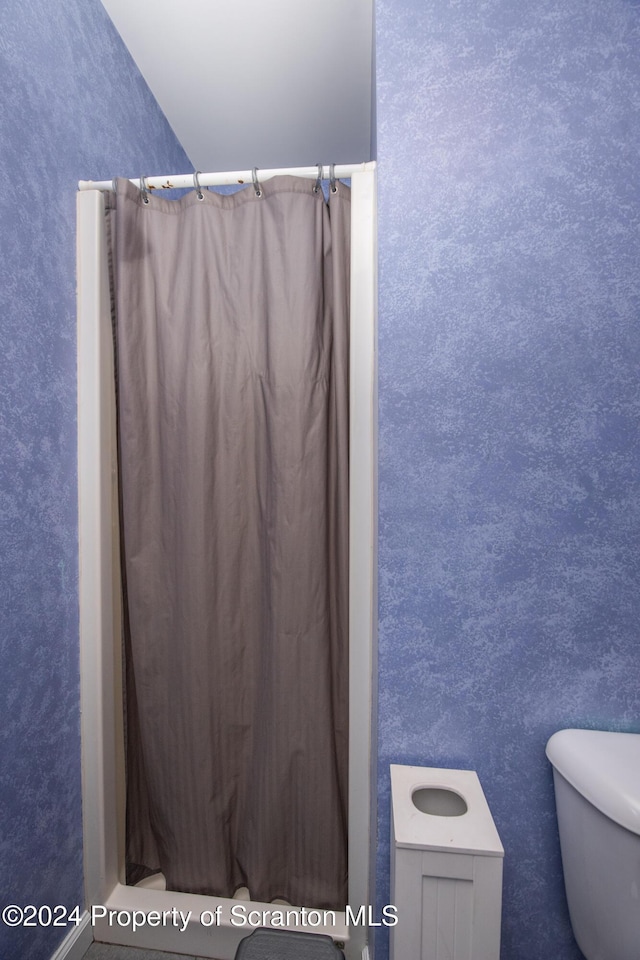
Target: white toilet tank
column 597, row 785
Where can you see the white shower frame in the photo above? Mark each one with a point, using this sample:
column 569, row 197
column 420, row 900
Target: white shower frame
column 101, row 666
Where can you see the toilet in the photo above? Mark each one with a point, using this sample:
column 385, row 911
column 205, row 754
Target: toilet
column 596, row 778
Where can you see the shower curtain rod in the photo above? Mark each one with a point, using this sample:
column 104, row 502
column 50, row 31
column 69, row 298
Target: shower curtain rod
column 186, row 180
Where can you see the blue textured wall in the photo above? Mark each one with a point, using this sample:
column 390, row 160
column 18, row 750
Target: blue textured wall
column 508, row 148
column 73, row 106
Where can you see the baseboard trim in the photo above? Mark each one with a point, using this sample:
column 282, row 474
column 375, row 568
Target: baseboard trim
column 77, row 942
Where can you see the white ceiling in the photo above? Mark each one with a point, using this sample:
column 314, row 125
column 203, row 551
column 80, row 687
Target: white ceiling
column 257, row 83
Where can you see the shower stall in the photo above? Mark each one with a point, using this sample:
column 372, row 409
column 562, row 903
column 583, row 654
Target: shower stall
column 194, row 924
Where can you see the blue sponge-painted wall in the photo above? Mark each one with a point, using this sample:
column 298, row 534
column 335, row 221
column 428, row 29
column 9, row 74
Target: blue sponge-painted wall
column 73, row 106
column 509, row 236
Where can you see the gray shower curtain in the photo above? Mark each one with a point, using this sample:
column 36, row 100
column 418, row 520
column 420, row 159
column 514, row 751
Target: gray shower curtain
column 231, row 326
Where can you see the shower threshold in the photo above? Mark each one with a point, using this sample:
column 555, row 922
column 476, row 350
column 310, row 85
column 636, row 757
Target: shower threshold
column 157, row 881
column 160, row 919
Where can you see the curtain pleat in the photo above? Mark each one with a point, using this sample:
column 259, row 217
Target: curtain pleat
column 232, row 388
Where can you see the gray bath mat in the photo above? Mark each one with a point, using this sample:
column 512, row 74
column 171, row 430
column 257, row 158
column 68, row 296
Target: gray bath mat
column 267, row 944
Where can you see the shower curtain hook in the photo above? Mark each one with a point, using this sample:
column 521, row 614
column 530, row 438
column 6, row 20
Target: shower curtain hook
column 256, row 185
column 318, row 178
column 196, row 184
column 114, row 184
column 143, row 189
column 332, row 178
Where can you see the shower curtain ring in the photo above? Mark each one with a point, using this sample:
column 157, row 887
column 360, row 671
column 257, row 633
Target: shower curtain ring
column 196, row 184
column 256, row 185
column 318, row 178
column 143, row 189
column 332, row 178
column 114, row 184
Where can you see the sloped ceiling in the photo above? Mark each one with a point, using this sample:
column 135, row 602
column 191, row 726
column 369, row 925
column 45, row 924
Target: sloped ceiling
column 257, row 84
